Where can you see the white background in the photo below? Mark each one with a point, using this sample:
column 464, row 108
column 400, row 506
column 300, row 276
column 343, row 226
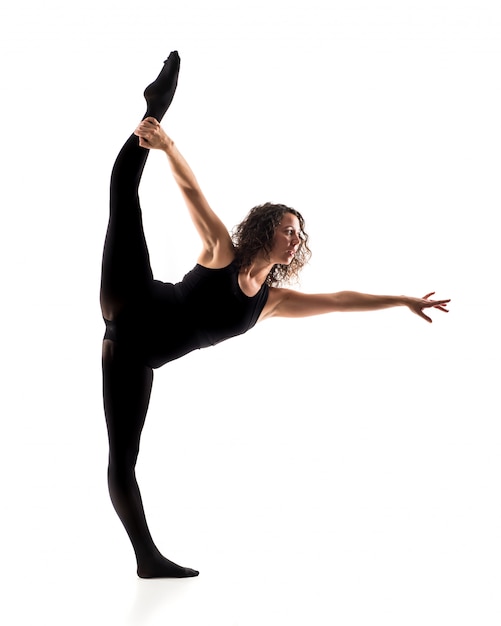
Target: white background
column 339, row 470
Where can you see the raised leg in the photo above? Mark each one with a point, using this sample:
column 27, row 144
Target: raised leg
column 126, row 271
column 126, row 389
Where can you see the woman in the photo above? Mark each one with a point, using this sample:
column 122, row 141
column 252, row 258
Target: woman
column 148, row 323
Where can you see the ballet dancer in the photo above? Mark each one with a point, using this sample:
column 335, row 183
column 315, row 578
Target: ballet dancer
column 236, row 282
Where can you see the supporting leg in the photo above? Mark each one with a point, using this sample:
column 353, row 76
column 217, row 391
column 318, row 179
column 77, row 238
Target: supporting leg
column 127, row 388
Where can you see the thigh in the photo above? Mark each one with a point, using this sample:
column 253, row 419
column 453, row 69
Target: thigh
column 126, row 270
column 127, row 387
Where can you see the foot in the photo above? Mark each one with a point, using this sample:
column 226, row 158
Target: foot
column 160, row 567
column 160, row 93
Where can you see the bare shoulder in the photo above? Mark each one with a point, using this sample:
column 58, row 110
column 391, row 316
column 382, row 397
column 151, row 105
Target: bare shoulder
column 221, row 254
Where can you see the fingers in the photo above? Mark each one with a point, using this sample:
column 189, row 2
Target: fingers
column 435, row 303
column 425, row 303
column 149, row 132
column 441, row 303
column 148, row 125
column 145, row 128
column 425, row 317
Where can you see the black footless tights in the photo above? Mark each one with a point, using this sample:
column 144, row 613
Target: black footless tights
column 126, row 275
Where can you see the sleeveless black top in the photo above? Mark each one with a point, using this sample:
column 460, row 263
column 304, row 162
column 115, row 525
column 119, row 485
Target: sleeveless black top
column 205, row 308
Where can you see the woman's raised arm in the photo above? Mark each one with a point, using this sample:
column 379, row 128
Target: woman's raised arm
column 289, row 303
column 217, row 245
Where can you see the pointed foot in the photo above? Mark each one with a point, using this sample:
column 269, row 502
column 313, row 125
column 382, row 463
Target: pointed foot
column 160, row 92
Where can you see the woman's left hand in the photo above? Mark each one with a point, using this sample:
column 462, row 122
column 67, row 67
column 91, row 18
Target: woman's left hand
column 416, row 305
column 152, row 135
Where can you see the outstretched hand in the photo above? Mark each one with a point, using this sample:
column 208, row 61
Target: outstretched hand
column 416, row 305
column 152, row 135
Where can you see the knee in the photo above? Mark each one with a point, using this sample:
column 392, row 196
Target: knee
column 121, row 479
column 122, row 461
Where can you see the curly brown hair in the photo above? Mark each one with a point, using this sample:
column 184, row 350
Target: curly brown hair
column 256, row 233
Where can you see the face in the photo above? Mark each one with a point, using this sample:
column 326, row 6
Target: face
column 286, row 241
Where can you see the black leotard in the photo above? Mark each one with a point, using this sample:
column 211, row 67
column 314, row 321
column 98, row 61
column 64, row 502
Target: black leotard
column 205, row 308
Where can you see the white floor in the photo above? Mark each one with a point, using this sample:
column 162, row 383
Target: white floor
column 325, row 514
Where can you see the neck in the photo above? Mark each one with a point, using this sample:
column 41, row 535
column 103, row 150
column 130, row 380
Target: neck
column 252, row 278
column 258, row 270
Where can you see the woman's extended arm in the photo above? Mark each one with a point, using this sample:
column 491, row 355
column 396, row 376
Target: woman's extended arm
column 289, row 303
column 217, row 245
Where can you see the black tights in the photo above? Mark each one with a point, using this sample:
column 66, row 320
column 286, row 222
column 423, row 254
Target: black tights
column 126, row 276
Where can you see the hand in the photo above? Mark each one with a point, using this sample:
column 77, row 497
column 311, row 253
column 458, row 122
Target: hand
column 152, row 135
column 416, row 305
